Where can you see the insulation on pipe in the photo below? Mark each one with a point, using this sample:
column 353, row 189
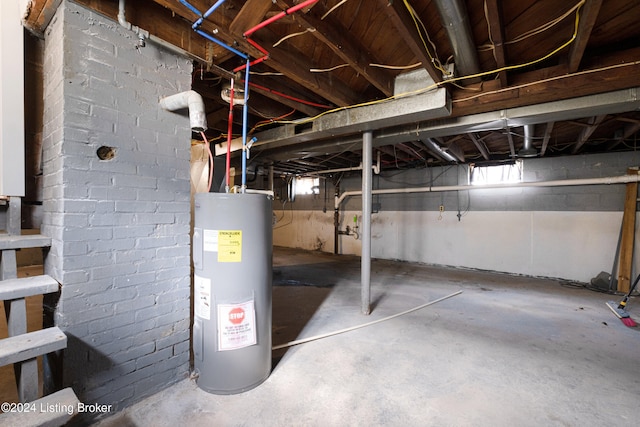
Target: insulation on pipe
column 193, row 101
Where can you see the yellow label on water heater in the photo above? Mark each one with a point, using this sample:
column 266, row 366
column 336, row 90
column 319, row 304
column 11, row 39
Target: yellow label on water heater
column 229, row 245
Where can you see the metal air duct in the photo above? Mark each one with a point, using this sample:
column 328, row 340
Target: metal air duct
column 453, row 14
column 436, row 149
column 527, row 149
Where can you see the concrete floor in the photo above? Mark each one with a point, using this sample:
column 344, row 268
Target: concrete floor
column 507, row 351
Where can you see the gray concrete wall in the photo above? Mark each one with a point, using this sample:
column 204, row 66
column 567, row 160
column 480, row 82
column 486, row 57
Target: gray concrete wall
column 586, row 198
column 565, row 232
column 120, row 227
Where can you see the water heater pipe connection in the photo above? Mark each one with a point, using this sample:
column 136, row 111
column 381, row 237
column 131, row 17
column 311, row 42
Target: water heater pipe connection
column 188, row 99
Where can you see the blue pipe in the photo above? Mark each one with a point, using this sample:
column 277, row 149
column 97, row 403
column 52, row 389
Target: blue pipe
column 245, row 117
column 245, row 107
column 207, row 13
column 191, row 7
column 224, row 45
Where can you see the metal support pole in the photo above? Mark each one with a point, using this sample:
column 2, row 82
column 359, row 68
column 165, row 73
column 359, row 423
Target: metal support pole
column 367, row 179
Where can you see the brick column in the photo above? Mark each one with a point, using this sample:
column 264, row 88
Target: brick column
column 116, row 204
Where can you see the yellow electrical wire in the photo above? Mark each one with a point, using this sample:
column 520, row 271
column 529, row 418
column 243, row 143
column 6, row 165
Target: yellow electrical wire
column 530, row 33
column 438, row 84
column 550, row 79
column 418, row 23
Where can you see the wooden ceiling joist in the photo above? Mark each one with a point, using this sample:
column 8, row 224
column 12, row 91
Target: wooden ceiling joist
column 496, row 33
column 479, row 145
column 403, row 23
column 546, row 138
column 251, row 14
column 588, row 18
column 586, row 133
column 336, row 37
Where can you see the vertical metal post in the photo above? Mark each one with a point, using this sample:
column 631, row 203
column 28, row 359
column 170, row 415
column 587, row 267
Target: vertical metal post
column 365, row 260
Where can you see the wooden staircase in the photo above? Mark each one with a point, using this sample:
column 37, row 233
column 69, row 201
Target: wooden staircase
column 22, row 348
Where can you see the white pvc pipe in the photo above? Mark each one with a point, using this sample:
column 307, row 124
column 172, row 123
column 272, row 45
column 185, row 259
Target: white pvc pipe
column 188, row 99
column 269, row 193
column 624, row 179
column 376, row 168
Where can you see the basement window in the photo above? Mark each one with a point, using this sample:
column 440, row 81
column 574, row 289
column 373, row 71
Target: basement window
column 305, row 185
column 505, row 173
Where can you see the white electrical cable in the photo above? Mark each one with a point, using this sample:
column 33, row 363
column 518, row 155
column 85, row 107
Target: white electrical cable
column 293, row 35
column 396, row 67
column 353, row 328
column 325, row 70
column 333, row 8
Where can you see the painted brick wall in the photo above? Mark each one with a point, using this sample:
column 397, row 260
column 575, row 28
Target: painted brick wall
column 120, row 227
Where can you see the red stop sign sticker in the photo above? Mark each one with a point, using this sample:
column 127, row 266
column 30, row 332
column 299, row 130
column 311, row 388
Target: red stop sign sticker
column 236, row 315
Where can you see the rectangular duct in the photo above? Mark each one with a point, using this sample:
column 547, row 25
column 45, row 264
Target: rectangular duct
column 396, row 112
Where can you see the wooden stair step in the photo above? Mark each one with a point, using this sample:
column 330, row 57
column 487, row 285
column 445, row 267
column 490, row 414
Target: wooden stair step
column 13, row 241
column 53, row 410
column 27, row 286
column 33, row 344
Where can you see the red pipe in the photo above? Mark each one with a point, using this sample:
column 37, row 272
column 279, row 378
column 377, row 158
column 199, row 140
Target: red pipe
column 247, row 34
column 251, row 64
column 229, row 136
column 302, row 101
column 257, row 46
column 279, row 16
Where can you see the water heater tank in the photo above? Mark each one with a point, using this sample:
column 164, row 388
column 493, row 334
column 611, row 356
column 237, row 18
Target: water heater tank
column 232, row 260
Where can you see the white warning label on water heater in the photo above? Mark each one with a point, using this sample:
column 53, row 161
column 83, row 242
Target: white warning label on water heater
column 202, row 297
column 236, row 326
column 210, row 240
